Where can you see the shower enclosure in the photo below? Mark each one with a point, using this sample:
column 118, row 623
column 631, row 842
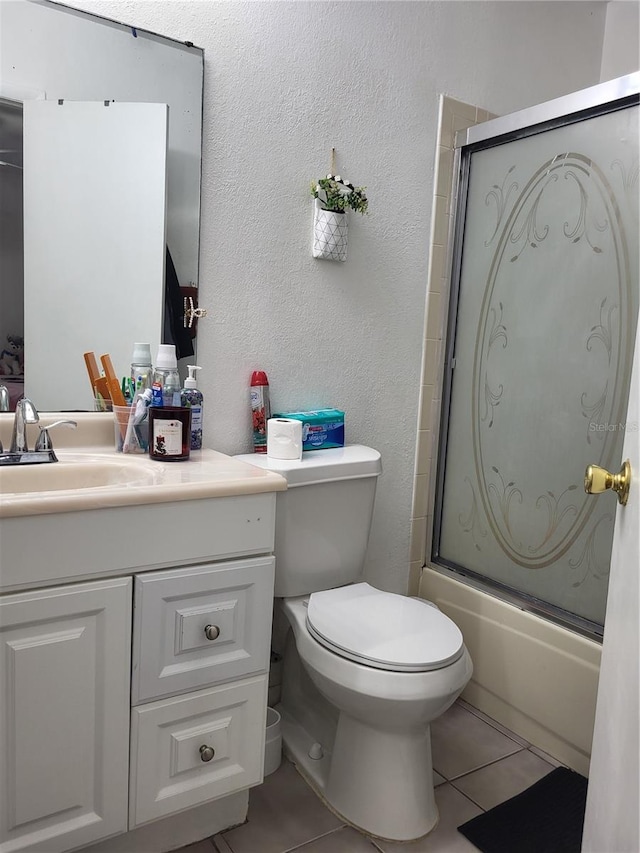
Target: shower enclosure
column 542, row 319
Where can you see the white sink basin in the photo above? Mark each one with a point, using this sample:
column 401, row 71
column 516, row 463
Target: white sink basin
column 70, row 475
column 90, row 475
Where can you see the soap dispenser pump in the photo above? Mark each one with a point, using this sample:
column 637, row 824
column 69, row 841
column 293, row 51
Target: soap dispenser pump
column 192, row 398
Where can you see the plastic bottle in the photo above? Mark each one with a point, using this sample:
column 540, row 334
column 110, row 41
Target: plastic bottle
column 260, row 409
column 141, row 367
column 192, row 398
column 166, row 379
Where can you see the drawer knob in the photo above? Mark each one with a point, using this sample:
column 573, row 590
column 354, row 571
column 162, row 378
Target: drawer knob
column 211, row 632
column 207, row 752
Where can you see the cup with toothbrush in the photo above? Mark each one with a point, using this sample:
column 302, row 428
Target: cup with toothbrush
column 131, row 424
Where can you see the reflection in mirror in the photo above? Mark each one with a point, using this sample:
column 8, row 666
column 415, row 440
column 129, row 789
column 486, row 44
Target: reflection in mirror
column 11, row 296
column 108, row 161
column 103, row 61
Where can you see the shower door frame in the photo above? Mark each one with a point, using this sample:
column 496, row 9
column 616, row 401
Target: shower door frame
column 598, row 100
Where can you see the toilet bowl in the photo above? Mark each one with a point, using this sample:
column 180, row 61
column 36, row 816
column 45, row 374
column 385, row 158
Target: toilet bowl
column 364, row 671
column 376, row 767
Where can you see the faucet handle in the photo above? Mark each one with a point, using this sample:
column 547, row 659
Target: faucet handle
column 44, row 439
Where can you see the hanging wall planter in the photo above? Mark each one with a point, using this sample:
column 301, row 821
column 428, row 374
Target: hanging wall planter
column 330, row 233
column 333, row 198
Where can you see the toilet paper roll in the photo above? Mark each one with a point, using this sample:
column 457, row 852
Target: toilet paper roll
column 284, row 438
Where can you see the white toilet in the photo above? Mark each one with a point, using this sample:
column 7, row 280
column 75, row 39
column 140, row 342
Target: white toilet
column 365, row 671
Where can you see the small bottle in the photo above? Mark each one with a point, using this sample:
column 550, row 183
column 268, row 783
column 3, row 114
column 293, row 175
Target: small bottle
column 192, row 398
column 260, row 410
column 141, row 367
column 166, row 379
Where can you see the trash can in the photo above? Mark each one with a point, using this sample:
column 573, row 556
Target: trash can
column 273, row 742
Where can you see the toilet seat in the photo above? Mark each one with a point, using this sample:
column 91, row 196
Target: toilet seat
column 383, row 630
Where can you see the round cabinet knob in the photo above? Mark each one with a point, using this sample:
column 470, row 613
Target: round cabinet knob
column 211, row 632
column 207, row 752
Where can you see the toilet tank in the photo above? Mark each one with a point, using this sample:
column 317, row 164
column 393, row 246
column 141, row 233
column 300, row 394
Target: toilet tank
column 324, row 517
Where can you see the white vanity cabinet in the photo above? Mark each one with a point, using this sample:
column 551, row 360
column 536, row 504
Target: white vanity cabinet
column 133, row 697
column 64, row 715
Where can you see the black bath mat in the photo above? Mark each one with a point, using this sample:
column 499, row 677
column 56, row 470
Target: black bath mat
column 546, row 818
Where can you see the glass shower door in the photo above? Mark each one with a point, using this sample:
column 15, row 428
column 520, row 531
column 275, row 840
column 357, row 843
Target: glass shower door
column 542, row 326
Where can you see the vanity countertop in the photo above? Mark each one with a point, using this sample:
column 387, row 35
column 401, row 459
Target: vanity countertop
column 122, row 479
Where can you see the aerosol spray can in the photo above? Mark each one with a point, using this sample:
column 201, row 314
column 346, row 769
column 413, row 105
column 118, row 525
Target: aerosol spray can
column 260, row 410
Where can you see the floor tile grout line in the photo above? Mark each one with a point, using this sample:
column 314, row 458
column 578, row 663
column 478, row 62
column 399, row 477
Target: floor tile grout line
column 546, row 756
column 503, row 730
column 221, row 840
column 497, row 761
column 482, row 766
column 531, row 747
column 315, row 838
column 468, row 797
column 471, row 800
column 366, row 837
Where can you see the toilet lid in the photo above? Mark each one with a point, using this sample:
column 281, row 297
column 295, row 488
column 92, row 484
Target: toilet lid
column 383, row 630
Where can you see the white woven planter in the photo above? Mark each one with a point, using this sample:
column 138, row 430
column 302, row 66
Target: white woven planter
column 330, row 234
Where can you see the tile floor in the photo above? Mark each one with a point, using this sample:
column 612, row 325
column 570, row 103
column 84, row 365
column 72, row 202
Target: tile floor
column 479, row 764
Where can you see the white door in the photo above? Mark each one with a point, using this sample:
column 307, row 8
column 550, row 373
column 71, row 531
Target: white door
column 612, row 823
column 94, row 240
column 64, row 715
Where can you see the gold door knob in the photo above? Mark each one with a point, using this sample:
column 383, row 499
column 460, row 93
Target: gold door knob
column 598, row 480
column 207, row 752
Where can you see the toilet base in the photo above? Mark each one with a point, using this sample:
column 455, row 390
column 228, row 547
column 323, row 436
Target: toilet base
column 380, row 782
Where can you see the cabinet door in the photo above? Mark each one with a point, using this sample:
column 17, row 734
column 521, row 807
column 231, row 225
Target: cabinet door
column 64, row 715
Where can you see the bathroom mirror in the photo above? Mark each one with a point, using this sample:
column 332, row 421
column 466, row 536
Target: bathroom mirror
column 53, row 52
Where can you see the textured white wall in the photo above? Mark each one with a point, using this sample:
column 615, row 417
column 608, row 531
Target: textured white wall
column 285, row 81
column 621, row 46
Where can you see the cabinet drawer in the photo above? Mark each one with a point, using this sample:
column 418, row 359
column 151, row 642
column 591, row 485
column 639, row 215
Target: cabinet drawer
column 199, row 626
column 193, row 748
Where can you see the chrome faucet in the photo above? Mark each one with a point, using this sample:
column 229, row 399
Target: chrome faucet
column 26, row 413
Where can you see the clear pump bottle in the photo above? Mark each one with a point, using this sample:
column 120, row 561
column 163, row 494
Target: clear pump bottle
column 192, row 398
